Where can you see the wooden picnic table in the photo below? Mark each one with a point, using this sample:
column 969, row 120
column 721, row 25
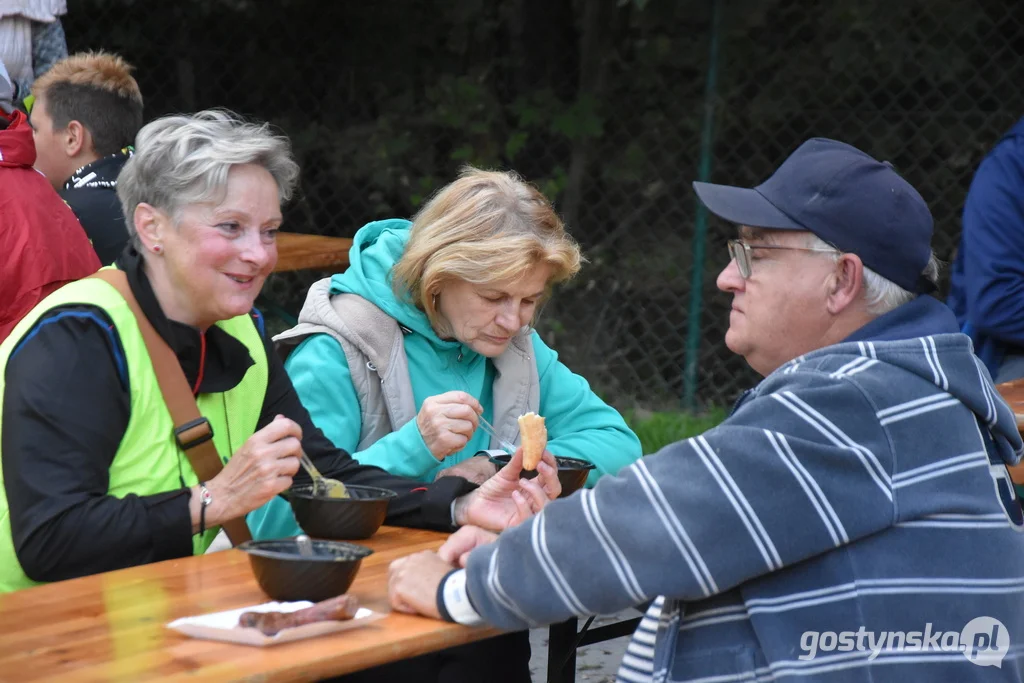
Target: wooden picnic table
column 311, row 252
column 111, row 626
column 1013, row 393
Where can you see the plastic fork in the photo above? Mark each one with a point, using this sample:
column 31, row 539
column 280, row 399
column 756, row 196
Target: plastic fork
column 487, row 427
column 332, row 488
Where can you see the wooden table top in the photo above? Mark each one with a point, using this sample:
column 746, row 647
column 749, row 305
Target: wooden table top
column 311, row 252
column 110, row 627
column 1013, row 393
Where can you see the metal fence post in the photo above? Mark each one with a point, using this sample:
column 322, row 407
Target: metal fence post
column 700, row 225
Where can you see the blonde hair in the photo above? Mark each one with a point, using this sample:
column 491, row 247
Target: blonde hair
column 96, row 89
column 485, row 227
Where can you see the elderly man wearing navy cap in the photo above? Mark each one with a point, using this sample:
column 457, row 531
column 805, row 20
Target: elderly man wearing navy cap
column 851, row 520
column 832, row 241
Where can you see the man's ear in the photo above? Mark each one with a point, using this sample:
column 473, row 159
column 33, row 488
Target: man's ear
column 77, row 139
column 151, row 225
column 846, row 284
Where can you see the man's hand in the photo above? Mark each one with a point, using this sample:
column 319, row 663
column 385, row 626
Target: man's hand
column 456, row 549
column 413, row 582
column 505, row 500
column 477, row 469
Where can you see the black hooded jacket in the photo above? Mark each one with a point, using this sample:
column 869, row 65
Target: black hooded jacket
column 91, row 192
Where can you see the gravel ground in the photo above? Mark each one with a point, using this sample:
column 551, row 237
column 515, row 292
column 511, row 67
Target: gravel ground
column 595, row 663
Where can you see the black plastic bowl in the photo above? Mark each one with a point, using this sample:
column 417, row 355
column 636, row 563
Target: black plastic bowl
column 353, row 518
column 572, row 472
column 285, row 574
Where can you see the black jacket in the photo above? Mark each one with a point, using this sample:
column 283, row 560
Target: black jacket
column 91, row 192
column 66, row 406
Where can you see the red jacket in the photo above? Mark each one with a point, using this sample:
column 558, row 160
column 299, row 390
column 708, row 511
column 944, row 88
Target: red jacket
column 42, row 244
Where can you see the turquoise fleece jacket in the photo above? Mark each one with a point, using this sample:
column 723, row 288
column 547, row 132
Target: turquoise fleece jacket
column 580, row 424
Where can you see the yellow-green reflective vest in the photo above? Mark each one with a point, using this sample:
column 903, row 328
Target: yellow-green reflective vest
column 148, row 461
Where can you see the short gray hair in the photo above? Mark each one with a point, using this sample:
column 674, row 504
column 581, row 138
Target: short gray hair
column 880, row 294
column 185, row 159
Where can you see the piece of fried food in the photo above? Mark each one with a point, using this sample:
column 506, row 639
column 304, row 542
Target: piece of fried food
column 534, row 439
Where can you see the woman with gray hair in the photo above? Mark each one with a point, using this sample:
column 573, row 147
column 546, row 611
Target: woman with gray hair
column 94, row 477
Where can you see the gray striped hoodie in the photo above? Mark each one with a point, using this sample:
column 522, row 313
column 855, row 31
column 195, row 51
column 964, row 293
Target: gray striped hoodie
column 852, row 520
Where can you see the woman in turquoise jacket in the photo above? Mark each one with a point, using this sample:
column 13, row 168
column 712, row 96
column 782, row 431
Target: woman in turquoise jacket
column 428, row 330
column 459, row 287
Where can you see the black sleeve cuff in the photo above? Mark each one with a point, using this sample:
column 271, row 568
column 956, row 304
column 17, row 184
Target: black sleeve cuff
column 436, row 505
column 171, row 524
column 428, row 506
column 441, row 607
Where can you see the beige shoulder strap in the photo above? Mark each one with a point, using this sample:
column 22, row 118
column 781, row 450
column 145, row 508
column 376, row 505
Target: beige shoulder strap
column 192, row 431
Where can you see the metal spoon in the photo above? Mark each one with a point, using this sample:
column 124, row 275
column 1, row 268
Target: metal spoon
column 305, row 545
column 331, row 488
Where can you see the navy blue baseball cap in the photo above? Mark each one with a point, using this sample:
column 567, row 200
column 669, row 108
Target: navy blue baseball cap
column 850, row 200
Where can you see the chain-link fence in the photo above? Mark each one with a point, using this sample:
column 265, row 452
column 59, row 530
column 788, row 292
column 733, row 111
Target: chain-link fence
column 612, row 107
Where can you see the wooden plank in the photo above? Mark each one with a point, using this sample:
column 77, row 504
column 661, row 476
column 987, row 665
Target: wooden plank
column 110, row 627
column 311, row 252
column 1013, row 394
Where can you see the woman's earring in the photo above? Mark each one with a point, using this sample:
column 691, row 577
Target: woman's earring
column 157, row 249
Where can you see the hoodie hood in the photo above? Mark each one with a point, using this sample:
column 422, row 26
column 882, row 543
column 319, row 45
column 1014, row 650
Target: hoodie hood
column 376, row 248
column 921, row 338
column 16, row 146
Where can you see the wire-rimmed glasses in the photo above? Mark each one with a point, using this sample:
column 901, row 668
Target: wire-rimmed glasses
column 739, row 251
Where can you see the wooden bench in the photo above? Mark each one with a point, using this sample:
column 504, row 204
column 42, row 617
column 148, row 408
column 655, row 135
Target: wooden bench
column 1013, row 393
column 311, row 252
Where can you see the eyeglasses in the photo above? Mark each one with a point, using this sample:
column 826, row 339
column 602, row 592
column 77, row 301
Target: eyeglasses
column 739, row 251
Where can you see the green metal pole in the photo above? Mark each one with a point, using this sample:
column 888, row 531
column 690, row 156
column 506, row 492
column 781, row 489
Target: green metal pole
column 700, row 226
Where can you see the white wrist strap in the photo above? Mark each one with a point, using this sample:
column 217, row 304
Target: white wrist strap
column 456, row 600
